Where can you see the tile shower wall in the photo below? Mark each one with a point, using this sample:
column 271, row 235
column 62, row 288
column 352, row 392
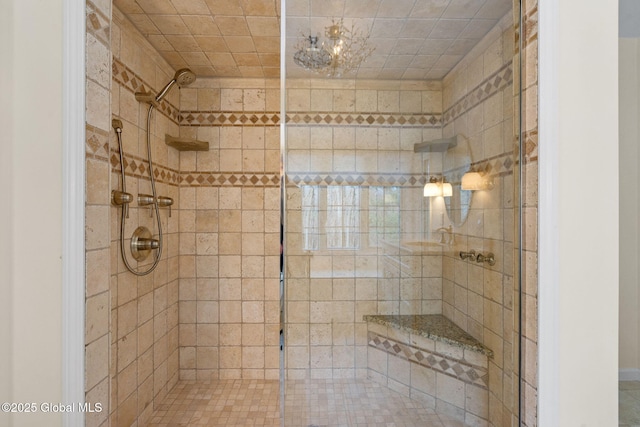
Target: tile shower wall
column 354, row 141
column 132, row 322
column 230, row 230
column 229, row 321
column 479, row 103
column 97, row 233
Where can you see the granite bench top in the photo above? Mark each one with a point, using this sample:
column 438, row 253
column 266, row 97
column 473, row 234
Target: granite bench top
column 433, row 326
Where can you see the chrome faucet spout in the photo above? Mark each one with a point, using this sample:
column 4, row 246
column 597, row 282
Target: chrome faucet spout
column 448, row 229
column 445, row 230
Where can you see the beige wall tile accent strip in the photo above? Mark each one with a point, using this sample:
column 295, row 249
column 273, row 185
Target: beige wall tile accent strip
column 124, row 76
column 465, row 372
column 500, row 165
column 139, row 168
column 362, row 118
column 530, row 26
column 98, row 24
column 230, row 179
column 489, row 87
column 96, row 143
column 228, row 118
column 239, row 118
column 365, row 180
column 530, row 146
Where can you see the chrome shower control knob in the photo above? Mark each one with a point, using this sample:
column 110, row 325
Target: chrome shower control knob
column 120, row 197
column 164, row 201
column 145, row 199
column 142, row 243
column 466, row 255
column 489, row 258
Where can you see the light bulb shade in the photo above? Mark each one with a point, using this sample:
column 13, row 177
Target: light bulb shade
column 472, row 181
column 432, row 189
column 447, row 189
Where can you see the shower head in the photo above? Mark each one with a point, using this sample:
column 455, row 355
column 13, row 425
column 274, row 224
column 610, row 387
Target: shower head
column 183, row 77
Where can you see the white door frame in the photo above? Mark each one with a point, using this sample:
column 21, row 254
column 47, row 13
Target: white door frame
column 73, row 208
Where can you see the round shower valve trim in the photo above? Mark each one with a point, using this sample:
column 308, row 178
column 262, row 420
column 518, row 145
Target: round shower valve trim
column 142, row 243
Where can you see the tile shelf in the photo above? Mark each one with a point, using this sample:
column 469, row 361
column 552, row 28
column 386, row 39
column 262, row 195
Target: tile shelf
column 186, row 144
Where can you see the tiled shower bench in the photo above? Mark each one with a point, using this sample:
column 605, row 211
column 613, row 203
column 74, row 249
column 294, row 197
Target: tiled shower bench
column 429, row 358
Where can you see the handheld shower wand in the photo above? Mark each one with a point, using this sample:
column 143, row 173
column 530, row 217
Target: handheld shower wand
column 183, row 77
column 142, row 241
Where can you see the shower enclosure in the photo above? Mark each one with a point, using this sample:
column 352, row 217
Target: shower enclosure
column 353, row 234
column 401, row 216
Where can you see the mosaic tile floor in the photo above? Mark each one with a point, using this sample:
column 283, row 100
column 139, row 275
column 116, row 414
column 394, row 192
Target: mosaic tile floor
column 315, row 403
column 629, row 403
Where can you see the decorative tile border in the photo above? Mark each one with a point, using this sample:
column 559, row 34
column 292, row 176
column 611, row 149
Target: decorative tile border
column 228, row 118
column 96, row 143
column 500, row 165
column 230, row 179
column 431, row 120
column 250, row 118
column 465, row 372
column 138, row 167
column 530, row 26
column 126, row 77
column 530, row 145
column 98, row 24
column 365, row 180
column 490, row 86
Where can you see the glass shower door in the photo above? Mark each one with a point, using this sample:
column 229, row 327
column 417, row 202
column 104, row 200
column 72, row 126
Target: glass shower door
column 401, row 273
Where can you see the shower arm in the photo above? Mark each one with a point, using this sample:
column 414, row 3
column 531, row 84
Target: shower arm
column 164, row 90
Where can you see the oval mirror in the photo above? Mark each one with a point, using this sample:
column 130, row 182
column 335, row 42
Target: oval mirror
column 456, row 162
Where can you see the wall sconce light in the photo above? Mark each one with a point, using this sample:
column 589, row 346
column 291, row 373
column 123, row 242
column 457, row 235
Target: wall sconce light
column 435, row 188
column 475, row 181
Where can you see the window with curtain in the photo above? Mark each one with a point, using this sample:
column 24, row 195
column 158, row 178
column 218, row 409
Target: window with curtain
column 338, row 209
column 343, row 217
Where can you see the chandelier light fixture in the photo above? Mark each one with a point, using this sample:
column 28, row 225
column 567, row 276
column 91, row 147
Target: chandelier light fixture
column 342, row 52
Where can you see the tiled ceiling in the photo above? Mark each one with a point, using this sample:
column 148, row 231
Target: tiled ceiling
column 413, row 39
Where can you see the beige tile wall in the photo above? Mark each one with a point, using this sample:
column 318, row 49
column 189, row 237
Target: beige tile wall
column 132, row 322
column 230, row 233
column 97, row 233
column 478, row 297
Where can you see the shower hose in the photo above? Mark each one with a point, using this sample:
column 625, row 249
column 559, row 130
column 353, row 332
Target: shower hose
column 124, row 213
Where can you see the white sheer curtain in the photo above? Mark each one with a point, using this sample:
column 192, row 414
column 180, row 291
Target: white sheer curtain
column 310, row 218
column 343, row 217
